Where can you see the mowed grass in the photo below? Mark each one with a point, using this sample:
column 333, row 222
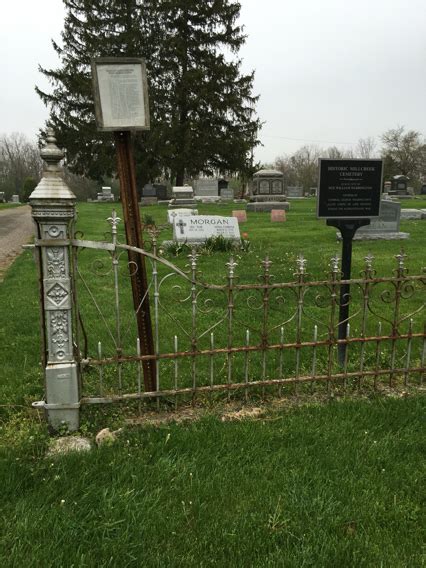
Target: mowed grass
column 333, row 485
column 337, row 483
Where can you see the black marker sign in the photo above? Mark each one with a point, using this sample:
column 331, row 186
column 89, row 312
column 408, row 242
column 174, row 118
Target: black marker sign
column 349, row 189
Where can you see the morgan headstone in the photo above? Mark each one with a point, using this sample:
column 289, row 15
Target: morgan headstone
column 197, row 229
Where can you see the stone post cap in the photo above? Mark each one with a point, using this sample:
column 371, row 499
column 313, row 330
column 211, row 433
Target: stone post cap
column 52, row 185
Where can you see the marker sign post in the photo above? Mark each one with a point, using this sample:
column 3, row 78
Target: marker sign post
column 348, row 197
column 121, row 106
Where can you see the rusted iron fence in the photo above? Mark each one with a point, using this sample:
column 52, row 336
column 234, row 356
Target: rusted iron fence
column 244, row 338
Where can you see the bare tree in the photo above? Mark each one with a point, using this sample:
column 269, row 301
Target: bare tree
column 305, row 165
column 366, row 148
column 404, row 152
column 20, row 159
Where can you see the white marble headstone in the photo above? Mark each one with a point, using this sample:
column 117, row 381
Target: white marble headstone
column 198, row 228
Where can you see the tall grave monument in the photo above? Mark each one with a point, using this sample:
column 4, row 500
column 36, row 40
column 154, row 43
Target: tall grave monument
column 267, row 192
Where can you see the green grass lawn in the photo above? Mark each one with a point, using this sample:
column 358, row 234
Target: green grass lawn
column 320, row 485
column 336, row 483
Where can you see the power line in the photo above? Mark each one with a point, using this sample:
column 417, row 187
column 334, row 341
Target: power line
column 308, row 140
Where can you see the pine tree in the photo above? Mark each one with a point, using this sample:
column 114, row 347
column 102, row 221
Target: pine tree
column 202, row 107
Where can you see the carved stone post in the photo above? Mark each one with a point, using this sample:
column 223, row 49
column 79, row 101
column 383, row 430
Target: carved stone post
column 53, row 210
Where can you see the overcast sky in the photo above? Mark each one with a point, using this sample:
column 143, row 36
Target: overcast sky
column 328, row 72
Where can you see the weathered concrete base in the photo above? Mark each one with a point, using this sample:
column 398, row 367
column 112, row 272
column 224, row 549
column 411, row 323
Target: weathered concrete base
column 295, row 198
column 239, row 200
column 176, row 203
column 149, row 201
column 269, row 198
column 379, row 236
column 207, row 198
column 267, row 207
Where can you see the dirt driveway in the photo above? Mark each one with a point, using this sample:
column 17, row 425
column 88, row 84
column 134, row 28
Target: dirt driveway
column 16, row 229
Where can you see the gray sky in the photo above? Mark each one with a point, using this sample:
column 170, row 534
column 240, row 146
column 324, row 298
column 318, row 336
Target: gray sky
column 328, row 71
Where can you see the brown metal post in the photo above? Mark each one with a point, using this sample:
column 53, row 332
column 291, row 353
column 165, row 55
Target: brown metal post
column 132, row 223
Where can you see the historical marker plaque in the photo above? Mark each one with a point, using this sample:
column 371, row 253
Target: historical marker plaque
column 121, row 93
column 349, row 189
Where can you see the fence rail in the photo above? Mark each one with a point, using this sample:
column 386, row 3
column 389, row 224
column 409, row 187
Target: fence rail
column 240, row 336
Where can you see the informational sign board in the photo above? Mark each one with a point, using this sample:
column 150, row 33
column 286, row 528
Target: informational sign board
column 349, row 189
column 121, row 93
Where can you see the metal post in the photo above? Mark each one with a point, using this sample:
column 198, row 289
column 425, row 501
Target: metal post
column 132, row 222
column 347, row 229
column 53, row 210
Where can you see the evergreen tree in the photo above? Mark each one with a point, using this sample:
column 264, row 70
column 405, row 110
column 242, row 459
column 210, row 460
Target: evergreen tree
column 202, row 107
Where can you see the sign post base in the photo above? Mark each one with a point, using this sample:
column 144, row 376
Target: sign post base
column 347, row 228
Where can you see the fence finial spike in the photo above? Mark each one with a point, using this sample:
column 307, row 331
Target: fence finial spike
column 369, row 261
column 334, row 263
column 266, row 263
column 401, row 259
column 231, row 265
column 113, row 221
column 193, row 256
column 301, row 264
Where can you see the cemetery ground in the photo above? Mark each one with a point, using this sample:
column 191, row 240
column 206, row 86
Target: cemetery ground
column 317, row 479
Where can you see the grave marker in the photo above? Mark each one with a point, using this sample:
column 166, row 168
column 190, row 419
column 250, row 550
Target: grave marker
column 240, row 215
column 196, row 229
column 278, row 216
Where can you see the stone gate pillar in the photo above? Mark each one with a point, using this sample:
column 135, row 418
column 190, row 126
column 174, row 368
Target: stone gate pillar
column 53, row 210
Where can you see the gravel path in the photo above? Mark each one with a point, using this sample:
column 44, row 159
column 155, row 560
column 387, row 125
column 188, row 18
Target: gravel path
column 16, row 229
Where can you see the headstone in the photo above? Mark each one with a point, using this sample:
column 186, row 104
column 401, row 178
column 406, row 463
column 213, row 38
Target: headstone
column 278, row 216
column 198, row 228
column 149, row 195
column 206, row 187
column 313, row 191
column 412, row 214
column 423, row 190
column 183, row 192
column 207, row 190
column 161, row 191
column 240, row 215
column 148, row 190
column 399, row 184
column 386, row 226
column 182, row 196
column 2, row 197
column 106, row 194
column 267, row 191
column 15, row 199
column 222, row 184
column 172, row 214
column 227, row 194
column 294, row 192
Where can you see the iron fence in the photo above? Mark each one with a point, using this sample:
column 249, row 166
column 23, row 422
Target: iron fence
column 240, row 337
